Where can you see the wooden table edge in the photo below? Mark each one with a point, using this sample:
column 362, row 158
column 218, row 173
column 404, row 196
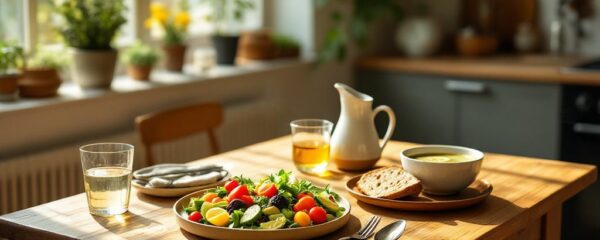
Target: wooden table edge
column 16, row 231
column 546, row 207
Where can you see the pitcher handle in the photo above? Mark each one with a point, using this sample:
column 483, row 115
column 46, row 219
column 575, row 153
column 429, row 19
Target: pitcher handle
column 391, row 124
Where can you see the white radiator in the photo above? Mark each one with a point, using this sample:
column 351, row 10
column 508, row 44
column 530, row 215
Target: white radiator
column 42, row 177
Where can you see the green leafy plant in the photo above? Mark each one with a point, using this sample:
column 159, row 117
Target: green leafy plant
column 46, row 58
column 221, row 15
column 11, row 58
column 91, row 24
column 140, row 55
column 352, row 28
column 283, row 41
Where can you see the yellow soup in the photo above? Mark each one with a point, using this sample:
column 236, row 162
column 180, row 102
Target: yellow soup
column 443, row 157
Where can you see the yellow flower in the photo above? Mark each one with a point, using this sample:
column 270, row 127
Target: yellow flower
column 182, row 19
column 159, row 12
column 157, row 7
column 149, row 23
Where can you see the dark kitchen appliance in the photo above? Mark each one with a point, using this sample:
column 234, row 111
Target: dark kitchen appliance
column 580, row 142
column 589, row 66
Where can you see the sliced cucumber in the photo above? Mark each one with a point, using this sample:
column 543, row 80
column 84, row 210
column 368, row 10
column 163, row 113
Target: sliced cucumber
column 251, row 214
column 331, row 206
column 271, row 210
column 330, row 217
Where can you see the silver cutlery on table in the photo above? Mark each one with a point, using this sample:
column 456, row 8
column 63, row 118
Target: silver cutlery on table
column 365, row 232
column 392, row 231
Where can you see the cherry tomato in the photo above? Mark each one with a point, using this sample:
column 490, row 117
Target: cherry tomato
column 208, row 197
column 195, row 216
column 229, row 186
column 303, row 194
column 268, row 190
column 247, row 199
column 318, row 215
column 305, row 203
column 216, row 200
column 238, row 192
column 302, row 219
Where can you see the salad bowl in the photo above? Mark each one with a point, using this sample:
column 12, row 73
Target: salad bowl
column 198, row 220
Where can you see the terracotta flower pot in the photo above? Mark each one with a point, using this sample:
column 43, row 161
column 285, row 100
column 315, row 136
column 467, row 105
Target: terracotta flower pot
column 38, row 83
column 93, row 68
column 8, row 86
column 174, row 57
column 256, row 45
column 141, row 73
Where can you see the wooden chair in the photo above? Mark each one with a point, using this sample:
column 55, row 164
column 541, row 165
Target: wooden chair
column 177, row 123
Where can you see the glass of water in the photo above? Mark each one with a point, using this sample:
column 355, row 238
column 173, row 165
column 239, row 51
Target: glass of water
column 107, row 177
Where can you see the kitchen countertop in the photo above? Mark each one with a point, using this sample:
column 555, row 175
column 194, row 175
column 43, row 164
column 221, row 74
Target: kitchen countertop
column 532, row 68
column 525, row 202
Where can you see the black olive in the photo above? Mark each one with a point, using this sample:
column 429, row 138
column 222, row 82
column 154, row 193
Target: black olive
column 235, row 205
column 263, row 218
column 279, row 201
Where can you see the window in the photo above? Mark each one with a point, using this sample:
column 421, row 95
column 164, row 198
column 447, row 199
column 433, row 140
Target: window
column 199, row 11
column 11, row 20
column 32, row 22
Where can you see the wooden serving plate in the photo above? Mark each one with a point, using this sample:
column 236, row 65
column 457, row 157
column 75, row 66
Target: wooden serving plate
column 176, row 192
column 475, row 193
column 214, row 232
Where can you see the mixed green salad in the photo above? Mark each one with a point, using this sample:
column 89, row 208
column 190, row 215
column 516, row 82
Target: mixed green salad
column 274, row 202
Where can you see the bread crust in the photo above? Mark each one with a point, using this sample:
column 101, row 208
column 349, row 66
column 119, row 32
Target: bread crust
column 390, row 183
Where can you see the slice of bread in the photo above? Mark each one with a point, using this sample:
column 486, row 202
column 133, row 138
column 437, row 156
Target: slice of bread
column 389, row 183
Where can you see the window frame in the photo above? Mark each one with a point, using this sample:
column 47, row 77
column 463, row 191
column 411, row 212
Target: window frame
column 140, row 12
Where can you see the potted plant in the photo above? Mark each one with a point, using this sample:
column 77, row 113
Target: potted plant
column 286, row 46
column 140, row 59
column 89, row 28
column 41, row 76
column 173, row 29
column 225, row 40
column 11, row 59
column 352, row 28
column 256, row 45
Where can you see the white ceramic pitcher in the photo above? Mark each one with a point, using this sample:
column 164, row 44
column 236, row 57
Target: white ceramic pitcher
column 354, row 143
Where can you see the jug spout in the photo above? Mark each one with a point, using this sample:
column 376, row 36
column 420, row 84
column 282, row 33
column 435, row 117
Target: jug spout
column 348, row 93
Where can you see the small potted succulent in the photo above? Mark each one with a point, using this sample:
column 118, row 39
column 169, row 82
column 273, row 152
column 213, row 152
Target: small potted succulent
column 89, row 27
column 11, row 60
column 140, row 60
column 173, row 28
column 225, row 38
column 41, row 77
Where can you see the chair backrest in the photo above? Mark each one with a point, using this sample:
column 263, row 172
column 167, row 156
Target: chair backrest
column 180, row 122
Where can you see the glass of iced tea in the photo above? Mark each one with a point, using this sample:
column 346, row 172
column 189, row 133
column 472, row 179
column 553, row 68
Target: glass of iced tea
column 107, row 177
column 310, row 138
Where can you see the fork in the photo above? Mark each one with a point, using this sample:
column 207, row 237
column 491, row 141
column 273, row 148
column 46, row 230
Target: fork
column 365, row 232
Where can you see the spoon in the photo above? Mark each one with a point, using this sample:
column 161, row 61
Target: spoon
column 392, row 231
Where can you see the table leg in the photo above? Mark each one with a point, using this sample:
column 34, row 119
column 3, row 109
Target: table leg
column 551, row 224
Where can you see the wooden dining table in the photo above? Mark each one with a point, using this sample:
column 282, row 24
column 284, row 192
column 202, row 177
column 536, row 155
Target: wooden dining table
column 525, row 202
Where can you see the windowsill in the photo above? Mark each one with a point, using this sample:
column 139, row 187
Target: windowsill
column 70, row 92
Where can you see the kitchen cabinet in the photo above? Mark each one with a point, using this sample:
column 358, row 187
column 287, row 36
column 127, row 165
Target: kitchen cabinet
column 424, row 109
column 509, row 117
